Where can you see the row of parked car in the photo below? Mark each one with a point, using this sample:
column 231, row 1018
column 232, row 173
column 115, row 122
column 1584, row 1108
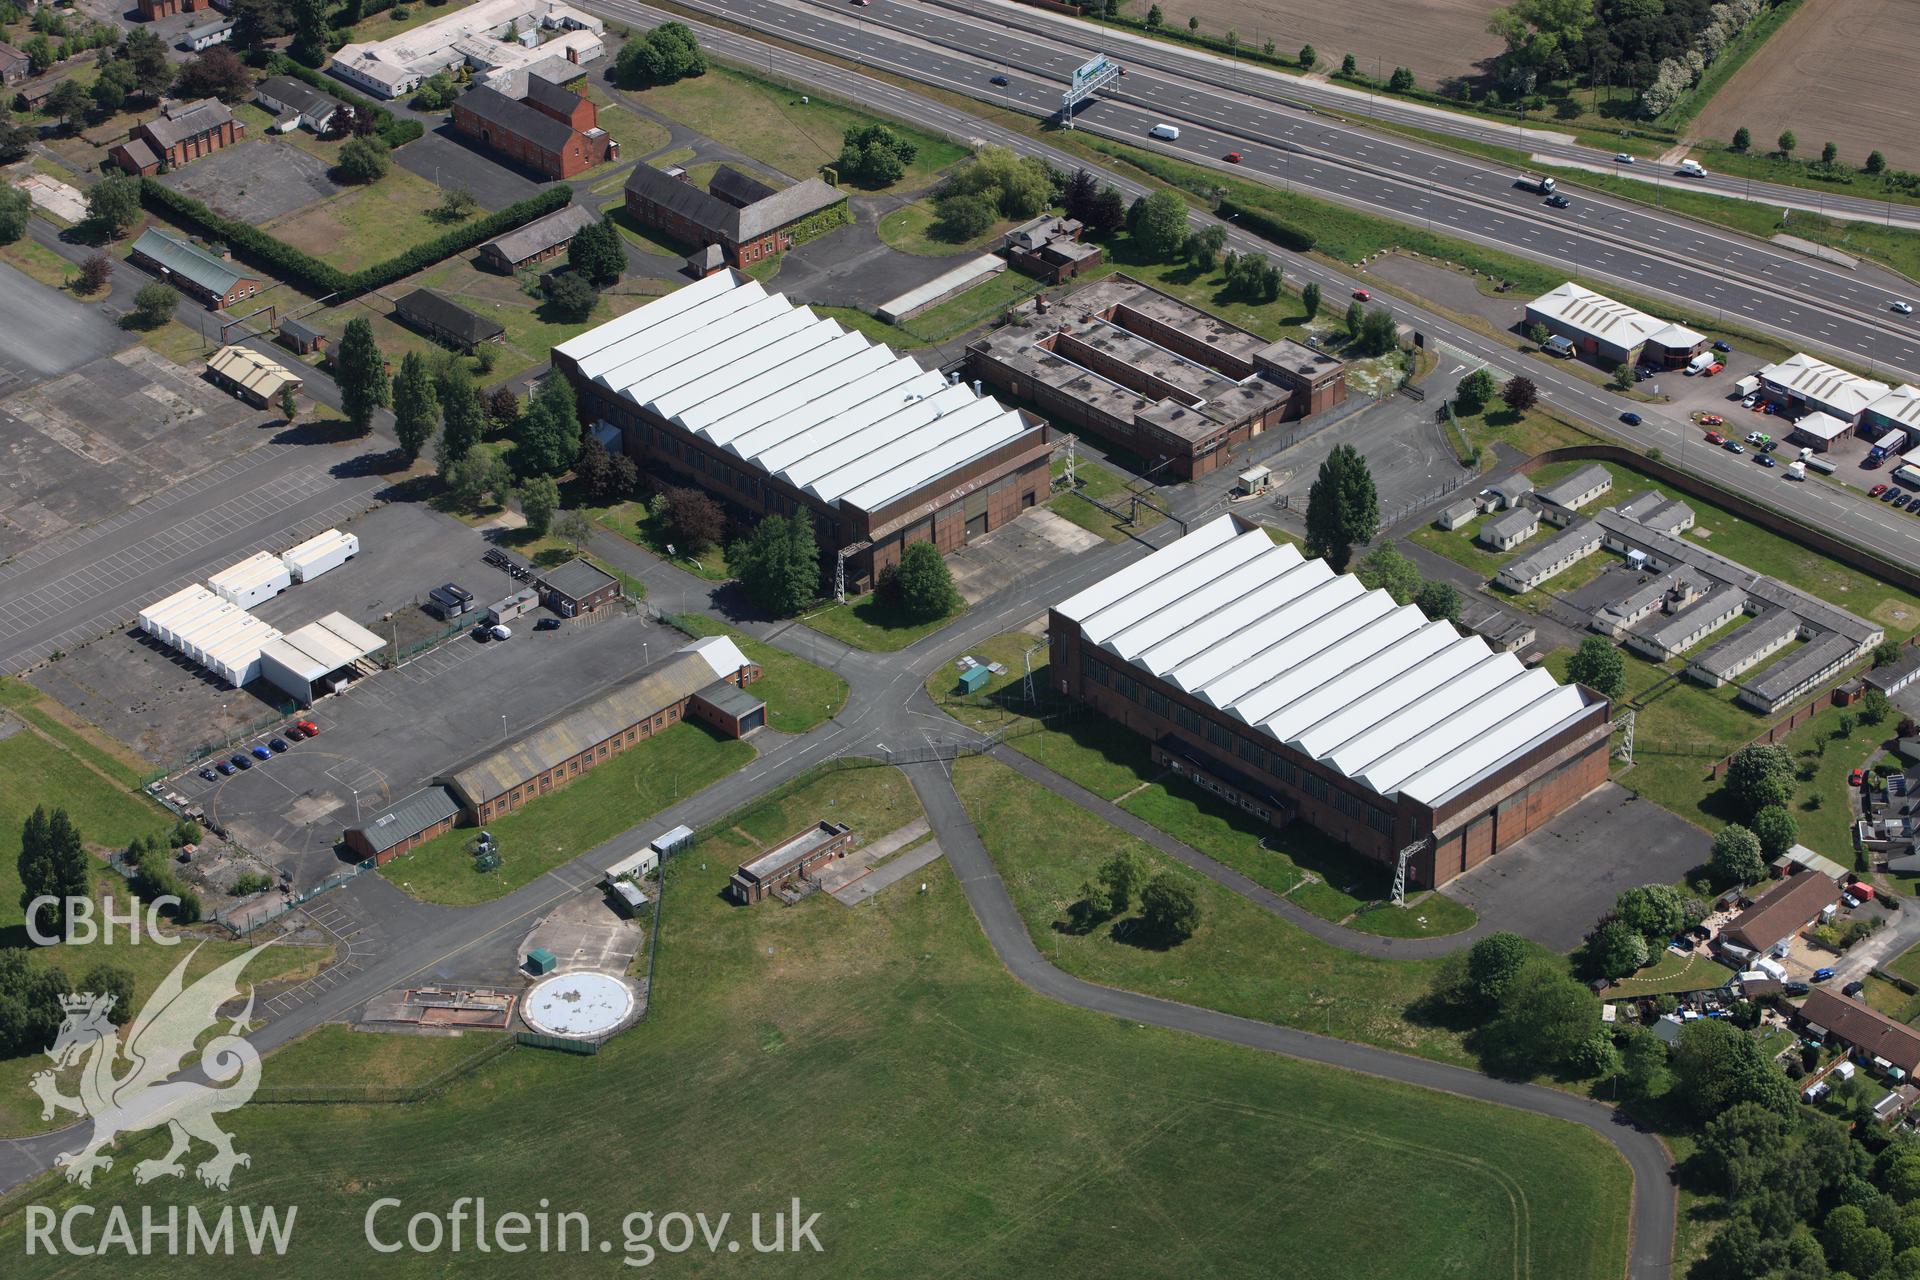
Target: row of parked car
column 240, row 763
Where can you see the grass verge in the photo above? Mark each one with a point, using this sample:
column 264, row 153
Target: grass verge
column 798, row 694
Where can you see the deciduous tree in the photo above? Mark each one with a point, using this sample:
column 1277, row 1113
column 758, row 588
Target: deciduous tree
column 539, row 499
column 113, row 205
column 1599, row 665
column 462, row 424
column 1169, row 909
column 1736, row 857
column 153, row 305
column 1758, row 776
column 922, row 585
column 665, row 54
column 1520, row 394
column 780, row 564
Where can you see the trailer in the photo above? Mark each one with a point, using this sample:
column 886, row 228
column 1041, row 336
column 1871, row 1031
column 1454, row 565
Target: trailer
column 1908, row 475
column 255, row 580
column 319, row 554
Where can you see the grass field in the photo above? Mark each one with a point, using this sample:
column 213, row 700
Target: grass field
column 798, row 694
column 49, row 759
column 632, row 521
column 600, row 804
column 769, row 123
column 882, row 1066
column 364, row 225
column 866, row 623
column 1669, row 972
column 636, row 134
column 982, row 303
column 909, row 229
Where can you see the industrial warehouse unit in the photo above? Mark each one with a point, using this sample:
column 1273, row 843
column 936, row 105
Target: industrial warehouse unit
column 317, row 659
column 1146, row 371
column 699, row 681
column 501, row 39
column 1292, row 691
column 770, row 407
column 1613, row 331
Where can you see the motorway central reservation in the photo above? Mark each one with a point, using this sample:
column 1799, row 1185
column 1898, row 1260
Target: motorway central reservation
column 1294, row 691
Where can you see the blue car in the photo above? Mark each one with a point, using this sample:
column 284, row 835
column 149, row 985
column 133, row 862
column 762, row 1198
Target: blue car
column 261, row 753
column 226, row 770
column 1821, row 975
column 1630, row 418
column 240, row 762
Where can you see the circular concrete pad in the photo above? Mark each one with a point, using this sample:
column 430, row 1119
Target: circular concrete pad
column 579, row 1005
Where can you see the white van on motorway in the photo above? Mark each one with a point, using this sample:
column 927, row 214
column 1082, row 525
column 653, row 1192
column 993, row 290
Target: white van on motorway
column 1167, row 131
column 1691, row 169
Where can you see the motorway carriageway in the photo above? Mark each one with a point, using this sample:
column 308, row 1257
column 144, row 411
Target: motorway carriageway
column 1604, row 242
column 1351, row 102
column 1845, row 512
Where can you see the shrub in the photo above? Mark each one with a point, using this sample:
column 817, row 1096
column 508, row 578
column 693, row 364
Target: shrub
column 1268, row 227
column 364, row 160
column 153, row 305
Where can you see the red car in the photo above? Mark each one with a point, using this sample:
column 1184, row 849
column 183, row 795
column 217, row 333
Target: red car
column 1232, row 157
column 1876, row 491
column 1363, row 295
column 1714, row 437
column 1712, row 419
column 1857, row 778
column 309, row 728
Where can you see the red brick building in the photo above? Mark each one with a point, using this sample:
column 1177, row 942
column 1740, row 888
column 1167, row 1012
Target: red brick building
column 1170, row 383
column 180, row 134
column 1293, row 692
column 403, row 826
column 771, row 408
column 154, row 10
column 746, row 218
column 792, row 860
column 552, row 130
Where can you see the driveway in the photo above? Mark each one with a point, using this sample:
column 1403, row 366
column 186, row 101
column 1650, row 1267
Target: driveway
column 1554, row 884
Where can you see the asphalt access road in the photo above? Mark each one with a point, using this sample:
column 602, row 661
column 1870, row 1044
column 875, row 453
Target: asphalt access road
column 1614, row 242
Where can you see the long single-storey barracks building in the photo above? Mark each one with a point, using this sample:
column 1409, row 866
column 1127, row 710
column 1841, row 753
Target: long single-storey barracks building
column 1294, row 691
column 1167, row 381
column 770, row 408
column 744, row 217
column 698, row 682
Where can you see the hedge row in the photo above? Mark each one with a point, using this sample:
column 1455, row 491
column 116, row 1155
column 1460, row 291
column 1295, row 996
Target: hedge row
column 1265, row 225
column 321, row 278
column 393, row 130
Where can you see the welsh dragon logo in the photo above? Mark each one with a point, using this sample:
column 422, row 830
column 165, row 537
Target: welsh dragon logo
column 144, row 1096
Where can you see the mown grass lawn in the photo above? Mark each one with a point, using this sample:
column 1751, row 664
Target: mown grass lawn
column 636, row 134
column 910, row 230
column 366, row 224
column 632, row 521
column 1095, row 481
column 1669, row 972
column 865, row 622
column 769, row 123
column 799, row 695
column 1051, row 1133
column 600, row 804
column 984, row 302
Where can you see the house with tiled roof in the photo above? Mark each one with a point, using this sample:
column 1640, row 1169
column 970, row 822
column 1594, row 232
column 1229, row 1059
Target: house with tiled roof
column 214, row 280
column 180, row 134
column 552, row 130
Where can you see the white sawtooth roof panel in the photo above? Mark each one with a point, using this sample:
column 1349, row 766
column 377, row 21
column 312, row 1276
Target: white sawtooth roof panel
column 660, row 311
column 1370, row 688
column 752, row 380
column 693, row 375
column 1510, row 735
column 1466, row 718
column 1237, row 621
column 742, row 329
column 792, row 393
column 836, row 388
column 1357, row 711
column 1090, row 601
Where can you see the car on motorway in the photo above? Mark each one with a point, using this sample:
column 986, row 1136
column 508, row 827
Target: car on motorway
column 1232, row 157
column 547, row 624
column 1765, row 459
column 1876, row 491
column 1631, row 418
column 240, row 762
column 1714, row 437
column 208, row 774
column 1168, row 132
column 261, row 753
column 1363, row 295
column 1623, row 158
column 1557, row 201
column 225, row 768
column 277, row 744
column 1734, row 446
column 1002, row 81
column 1904, row 308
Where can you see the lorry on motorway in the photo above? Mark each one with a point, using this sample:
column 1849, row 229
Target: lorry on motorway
column 1796, row 470
column 1532, row 182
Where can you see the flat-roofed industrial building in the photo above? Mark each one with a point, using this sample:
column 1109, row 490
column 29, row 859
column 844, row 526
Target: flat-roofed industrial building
column 1294, row 691
column 1167, row 381
column 770, row 408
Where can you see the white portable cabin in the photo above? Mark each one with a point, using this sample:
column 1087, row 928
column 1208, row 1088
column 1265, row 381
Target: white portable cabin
column 320, row 553
column 255, row 580
column 671, row 842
